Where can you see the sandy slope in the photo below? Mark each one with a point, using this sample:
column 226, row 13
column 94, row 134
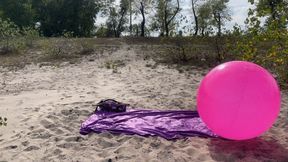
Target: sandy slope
column 46, row 105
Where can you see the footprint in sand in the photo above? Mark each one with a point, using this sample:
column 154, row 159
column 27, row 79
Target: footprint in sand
column 25, row 120
column 67, row 145
column 20, row 103
column 91, row 92
column 52, row 117
column 74, row 139
column 36, row 109
column 50, row 126
column 66, row 96
column 57, row 152
column 25, row 143
column 11, row 147
column 47, row 124
column 104, row 143
column 17, row 136
column 31, row 148
column 39, row 134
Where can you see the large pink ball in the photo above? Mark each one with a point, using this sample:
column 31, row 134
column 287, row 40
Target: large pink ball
column 239, row 100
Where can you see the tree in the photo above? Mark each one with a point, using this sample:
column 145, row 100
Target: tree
column 265, row 45
column 130, row 20
column 143, row 7
column 195, row 16
column 166, row 13
column 275, row 10
column 101, row 32
column 118, row 18
column 59, row 16
column 8, row 31
column 142, row 10
column 220, row 14
column 204, row 17
column 18, row 11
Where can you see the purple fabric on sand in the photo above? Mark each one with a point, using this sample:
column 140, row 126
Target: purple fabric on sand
column 167, row 124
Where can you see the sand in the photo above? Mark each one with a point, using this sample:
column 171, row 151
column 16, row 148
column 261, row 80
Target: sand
column 45, row 106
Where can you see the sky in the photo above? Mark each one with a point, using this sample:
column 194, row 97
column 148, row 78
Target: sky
column 238, row 11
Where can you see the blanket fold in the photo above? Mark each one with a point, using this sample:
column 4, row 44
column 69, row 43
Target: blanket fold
column 167, row 124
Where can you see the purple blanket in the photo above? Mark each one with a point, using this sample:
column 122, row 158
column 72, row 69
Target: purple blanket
column 166, row 124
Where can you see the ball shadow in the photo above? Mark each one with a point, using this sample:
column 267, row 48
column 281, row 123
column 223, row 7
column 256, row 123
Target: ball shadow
column 256, row 149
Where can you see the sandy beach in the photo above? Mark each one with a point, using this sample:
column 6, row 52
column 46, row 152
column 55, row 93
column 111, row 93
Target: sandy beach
column 45, row 106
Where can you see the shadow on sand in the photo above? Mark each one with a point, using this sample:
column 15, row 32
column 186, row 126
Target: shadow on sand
column 251, row 150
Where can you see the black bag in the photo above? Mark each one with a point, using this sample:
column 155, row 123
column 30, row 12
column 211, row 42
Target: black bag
column 111, row 105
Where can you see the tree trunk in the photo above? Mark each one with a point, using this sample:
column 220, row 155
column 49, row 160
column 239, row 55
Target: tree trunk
column 130, row 8
column 137, row 31
column 195, row 18
column 202, row 32
column 167, row 22
column 273, row 11
column 118, row 32
column 114, row 29
column 166, row 27
column 142, row 9
column 167, row 30
column 219, row 24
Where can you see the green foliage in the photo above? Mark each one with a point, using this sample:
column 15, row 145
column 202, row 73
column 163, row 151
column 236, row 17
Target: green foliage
column 13, row 39
column 275, row 10
column 58, row 49
column 67, row 34
column 8, row 29
column 114, row 65
column 267, row 46
column 86, row 48
column 18, row 11
column 164, row 20
column 220, row 14
column 204, row 18
column 102, row 32
column 30, row 35
column 117, row 19
column 58, row 17
column 210, row 14
column 9, row 32
column 143, row 8
column 3, row 121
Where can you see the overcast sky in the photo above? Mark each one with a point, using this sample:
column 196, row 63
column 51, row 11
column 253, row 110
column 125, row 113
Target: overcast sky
column 238, row 11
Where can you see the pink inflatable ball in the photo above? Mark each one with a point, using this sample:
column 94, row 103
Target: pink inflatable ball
column 238, row 100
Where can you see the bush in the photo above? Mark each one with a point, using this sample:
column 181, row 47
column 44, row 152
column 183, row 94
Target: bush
column 102, row 32
column 86, row 47
column 30, row 35
column 9, row 32
column 59, row 49
column 12, row 39
column 266, row 46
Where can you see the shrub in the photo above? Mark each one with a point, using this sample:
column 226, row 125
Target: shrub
column 30, row 35
column 266, row 46
column 8, row 37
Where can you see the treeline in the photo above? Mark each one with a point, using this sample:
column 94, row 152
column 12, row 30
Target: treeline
column 77, row 18
column 52, row 17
